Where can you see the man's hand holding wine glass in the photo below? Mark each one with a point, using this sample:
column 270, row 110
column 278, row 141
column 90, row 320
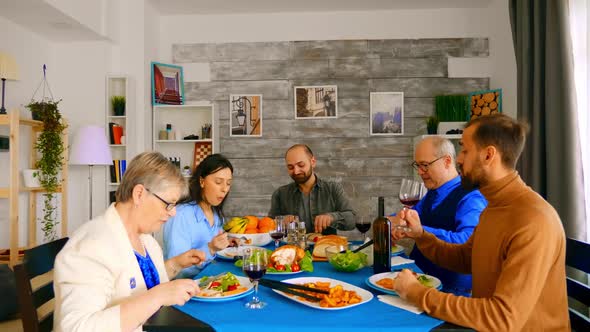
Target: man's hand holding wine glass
column 412, row 224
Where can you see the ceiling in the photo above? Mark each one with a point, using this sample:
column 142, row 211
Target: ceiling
column 204, row 7
column 45, row 20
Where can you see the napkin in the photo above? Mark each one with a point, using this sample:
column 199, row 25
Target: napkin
column 397, row 301
column 398, row 260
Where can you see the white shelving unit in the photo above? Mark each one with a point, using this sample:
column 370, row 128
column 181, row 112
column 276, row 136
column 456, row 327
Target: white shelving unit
column 116, row 85
column 186, row 120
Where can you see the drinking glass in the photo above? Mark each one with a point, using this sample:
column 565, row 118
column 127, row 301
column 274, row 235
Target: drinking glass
column 279, row 230
column 254, row 266
column 363, row 225
column 410, row 193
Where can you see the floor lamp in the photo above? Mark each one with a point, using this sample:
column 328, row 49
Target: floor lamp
column 90, row 148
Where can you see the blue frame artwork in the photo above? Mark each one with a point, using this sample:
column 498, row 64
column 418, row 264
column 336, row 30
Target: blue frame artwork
column 167, row 84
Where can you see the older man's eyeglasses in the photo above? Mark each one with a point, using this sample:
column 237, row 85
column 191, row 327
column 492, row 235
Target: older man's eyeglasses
column 424, row 166
column 169, row 206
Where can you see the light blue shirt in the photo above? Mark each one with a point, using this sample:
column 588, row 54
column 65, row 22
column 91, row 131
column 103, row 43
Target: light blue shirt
column 189, row 229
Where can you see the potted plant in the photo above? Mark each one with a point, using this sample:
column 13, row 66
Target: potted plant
column 118, row 103
column 431, row 125
column 50, row 146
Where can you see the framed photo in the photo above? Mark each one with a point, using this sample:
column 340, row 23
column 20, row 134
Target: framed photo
column 245, row 115
column 387, row 113
column 167, row 84
column 483, row 103
column 316, row 102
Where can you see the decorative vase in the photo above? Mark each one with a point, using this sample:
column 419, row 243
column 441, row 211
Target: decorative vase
column 119, row 110
column 31, row 178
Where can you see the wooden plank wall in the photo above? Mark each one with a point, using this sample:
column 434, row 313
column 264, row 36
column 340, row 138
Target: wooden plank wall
column 368, row 166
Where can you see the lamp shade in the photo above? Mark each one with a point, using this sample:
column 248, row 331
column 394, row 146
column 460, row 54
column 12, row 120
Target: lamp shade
column 90, row 147
column 8, row 67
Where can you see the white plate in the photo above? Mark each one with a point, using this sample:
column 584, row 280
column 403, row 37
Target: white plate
column 231, row 252
column 243, row 282
column 398, row 250
column 372, row 281
column 365, row 295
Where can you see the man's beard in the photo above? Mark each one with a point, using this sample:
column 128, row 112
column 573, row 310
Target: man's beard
column 302, row 178
column 472, row 181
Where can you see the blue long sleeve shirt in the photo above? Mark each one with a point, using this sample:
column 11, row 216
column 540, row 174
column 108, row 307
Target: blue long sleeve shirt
column 451, row 214
column 189, row 229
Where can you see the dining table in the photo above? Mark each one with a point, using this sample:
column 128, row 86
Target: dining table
column 282, row 313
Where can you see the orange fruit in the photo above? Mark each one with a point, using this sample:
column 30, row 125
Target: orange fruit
column 251, row 231
column 266, row 224
column 252, row 222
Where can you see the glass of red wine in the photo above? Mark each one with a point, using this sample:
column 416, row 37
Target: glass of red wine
column 410, row 193
column 254, row 266
column 363, row 225
column 279, row 230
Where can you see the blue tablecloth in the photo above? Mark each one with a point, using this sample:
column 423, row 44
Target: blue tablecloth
column 282, row 314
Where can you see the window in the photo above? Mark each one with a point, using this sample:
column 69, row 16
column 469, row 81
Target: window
column 579, row 11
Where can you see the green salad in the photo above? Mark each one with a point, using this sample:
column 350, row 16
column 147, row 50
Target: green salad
column 225, row 283
column 424, row 280
column 348, row 261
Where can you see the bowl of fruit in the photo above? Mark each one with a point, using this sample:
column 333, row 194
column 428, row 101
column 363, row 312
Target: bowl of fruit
column 250, row 230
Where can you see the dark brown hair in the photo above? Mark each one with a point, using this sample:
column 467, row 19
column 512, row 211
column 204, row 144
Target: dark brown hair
column 503, row 132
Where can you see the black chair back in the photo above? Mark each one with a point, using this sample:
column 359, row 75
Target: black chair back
column 577, row 256
column 36, row 261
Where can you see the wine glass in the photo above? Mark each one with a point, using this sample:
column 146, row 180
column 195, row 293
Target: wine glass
column 254, row 266
column 363, row 225
column 278, row 232
column 410, row 193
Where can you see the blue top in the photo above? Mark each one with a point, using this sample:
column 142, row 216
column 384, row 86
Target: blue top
column 451, row 214
column 148, row 269
column 189, row 229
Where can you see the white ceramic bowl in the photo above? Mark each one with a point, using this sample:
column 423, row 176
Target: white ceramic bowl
column 258, row 239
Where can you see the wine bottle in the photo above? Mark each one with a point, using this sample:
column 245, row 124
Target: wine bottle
column 382, row 238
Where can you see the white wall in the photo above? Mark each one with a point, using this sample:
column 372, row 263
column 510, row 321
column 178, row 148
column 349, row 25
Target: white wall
column 492, row 22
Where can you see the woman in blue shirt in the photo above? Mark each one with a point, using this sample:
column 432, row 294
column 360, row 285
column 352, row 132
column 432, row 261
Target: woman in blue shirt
column 198, row 221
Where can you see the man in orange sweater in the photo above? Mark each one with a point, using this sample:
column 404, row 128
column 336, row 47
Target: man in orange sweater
column 517, row 252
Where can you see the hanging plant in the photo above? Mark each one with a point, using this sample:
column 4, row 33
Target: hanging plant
column 50, row 146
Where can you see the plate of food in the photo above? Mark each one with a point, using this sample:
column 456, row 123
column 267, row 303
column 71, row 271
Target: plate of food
column 397, row 250
column 289, row 259
column 231, row 252
column 322, row 242
column 342, row 295
column 384, row 281
column 224, row 287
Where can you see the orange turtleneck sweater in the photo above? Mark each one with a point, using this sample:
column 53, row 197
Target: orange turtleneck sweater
column 517, row 258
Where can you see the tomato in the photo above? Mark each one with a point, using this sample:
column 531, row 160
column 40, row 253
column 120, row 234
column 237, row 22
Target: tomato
column 279, row 267
column 215, row 284
column 295, row 267
column 232, row 287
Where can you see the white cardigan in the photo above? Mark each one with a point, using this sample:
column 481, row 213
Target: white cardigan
column 95, row 271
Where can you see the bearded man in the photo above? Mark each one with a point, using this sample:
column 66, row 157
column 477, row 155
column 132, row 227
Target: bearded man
column 321, row 204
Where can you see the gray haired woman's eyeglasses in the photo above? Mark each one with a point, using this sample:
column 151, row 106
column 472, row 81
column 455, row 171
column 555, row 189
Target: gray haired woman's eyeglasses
column 169, row 206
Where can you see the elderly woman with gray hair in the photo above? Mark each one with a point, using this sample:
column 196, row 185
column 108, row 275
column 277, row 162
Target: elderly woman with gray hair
column 111, row 275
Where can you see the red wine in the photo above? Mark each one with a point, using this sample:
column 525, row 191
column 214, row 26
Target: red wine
column 255, row 274
column 363, row 228
column 409, row 201
column 277, row 235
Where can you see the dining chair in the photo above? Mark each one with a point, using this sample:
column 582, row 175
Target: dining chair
column 577, row 257
column 34, row 284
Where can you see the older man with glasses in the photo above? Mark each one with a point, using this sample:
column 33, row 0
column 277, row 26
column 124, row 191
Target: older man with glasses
column 448, row 211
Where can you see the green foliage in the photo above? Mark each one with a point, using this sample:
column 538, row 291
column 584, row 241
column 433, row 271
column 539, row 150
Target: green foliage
column 118, row 103
column 432, row 124
column 50, row 146
column 452, row 108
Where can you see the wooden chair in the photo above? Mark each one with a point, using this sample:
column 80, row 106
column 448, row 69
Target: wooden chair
column 578, row 257
column 36, row 305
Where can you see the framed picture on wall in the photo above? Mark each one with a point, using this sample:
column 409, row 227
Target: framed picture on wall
column 245, row 115
column 316, row 102
column 387, row 113
column 167, row 84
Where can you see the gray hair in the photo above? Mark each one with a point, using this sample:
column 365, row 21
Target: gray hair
column 443, row 147
column 153, row 171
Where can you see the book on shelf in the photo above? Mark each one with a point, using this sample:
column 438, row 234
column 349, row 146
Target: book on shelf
column 117, row 169
column 115, row 133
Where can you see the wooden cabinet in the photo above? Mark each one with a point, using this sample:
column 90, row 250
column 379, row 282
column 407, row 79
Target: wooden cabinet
column 187, row 135
column 14, row 122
